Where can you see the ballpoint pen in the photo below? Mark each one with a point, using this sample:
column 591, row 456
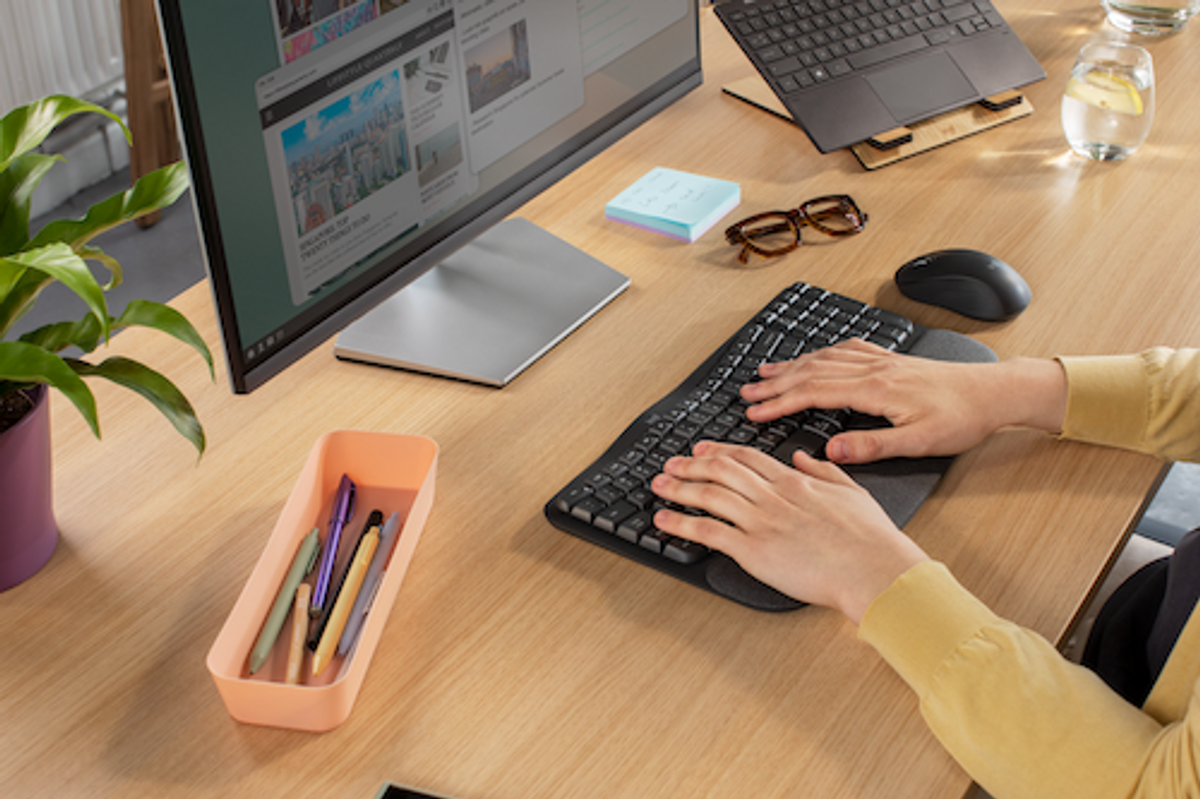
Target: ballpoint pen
column 302, row 564
column 343, row 509
column 374, row 520
column 341, row 610
column 358, row 614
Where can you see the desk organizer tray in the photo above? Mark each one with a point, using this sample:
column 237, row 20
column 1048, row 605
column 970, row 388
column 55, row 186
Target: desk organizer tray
column 392, row 473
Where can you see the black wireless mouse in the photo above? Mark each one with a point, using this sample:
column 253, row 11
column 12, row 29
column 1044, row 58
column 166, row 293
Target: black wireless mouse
column 968, row 282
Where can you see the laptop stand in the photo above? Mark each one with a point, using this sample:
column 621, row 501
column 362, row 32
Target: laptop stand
column 900, row 143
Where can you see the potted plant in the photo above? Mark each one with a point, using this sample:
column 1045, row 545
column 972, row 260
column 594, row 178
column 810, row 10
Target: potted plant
column 55, row 354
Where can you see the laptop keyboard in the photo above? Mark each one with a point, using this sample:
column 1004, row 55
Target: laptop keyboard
column 799, row 43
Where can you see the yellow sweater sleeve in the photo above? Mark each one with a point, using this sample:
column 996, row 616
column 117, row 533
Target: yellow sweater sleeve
column 1148, row 402
column 1022, row 720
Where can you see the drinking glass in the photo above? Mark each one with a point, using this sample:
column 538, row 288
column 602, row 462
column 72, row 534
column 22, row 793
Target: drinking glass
column 1150, row 17
column 1108, row 105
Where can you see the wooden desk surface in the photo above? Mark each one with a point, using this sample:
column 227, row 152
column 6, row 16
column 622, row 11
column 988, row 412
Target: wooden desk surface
column 520, row 662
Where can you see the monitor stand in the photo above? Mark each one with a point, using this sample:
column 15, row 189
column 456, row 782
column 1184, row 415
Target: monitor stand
column 488, row 311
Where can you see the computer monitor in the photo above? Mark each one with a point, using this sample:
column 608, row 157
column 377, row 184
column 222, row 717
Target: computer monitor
column 341, row 150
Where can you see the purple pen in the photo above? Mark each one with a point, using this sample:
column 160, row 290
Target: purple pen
column 343, row 510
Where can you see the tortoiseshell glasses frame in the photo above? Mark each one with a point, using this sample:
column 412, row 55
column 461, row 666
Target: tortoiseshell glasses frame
column 777, row 233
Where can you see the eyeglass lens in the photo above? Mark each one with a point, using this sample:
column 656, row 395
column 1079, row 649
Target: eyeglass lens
column 772, row 233
column 832, row 215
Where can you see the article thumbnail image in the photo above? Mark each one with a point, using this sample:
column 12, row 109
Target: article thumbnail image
column 346, row 152
column 307, row 25
column 427, row 74
column 296, row 15
column 439, row 154
column 497, row 65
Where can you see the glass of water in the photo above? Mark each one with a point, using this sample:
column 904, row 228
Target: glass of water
column 1150, row 17
column 1108, row 105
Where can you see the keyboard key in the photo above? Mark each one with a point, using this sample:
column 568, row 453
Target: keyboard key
column 641, row 498
column 570, row 497
column 611, row 517
column 804, row 440
column 683, row 551
column 587, row 508
column 654, row 540
column 608, row 494
column 960, row 12
column 885, row 52
column 772, row 53
column 633, row 528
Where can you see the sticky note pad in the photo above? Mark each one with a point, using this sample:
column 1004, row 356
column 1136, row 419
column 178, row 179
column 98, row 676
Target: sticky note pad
column 676, row 204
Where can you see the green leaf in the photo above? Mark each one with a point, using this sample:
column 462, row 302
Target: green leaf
column 19, row 299
column 151, row 193
column 160, row 391
column 85, row 334
column 144, row 313
column 25, row 363
column 57, row 261
column 108, row 262
column 24, row 128
column 11, row 272
column 16, row 190
column 56, row 337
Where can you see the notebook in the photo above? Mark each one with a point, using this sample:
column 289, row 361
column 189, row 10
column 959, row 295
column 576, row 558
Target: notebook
column 847, row 70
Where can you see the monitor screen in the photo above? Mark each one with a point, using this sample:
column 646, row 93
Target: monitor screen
column 340, row 149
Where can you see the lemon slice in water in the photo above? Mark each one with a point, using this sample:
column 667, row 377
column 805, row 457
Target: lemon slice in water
column 1106, row 91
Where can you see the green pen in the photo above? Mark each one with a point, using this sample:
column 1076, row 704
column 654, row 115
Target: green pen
column 306, row 556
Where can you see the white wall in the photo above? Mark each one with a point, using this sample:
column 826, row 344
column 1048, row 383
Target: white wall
column 66, row 47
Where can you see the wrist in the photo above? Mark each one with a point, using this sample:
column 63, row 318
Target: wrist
column 1032, row 393
column 879, row 577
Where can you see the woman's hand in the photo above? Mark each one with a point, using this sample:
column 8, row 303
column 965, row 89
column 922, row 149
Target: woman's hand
column 811, row 532
column 935, row 407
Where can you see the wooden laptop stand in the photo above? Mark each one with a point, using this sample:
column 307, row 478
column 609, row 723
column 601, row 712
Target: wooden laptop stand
column 899, row 143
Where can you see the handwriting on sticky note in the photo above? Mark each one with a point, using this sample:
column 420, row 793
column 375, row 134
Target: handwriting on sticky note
column 679, row 204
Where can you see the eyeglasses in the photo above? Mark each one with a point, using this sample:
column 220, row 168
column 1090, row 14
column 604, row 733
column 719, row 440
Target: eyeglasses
column 778, row 232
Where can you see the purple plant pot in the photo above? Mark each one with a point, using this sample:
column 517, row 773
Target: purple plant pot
column 28, row 532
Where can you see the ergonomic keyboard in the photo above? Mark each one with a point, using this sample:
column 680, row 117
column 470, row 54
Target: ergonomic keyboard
column 610, row 503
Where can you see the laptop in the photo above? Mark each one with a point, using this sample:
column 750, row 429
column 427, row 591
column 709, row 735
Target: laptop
column 847, row 70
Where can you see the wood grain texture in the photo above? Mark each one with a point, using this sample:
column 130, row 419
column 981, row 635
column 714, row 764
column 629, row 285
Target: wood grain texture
column 519, row 662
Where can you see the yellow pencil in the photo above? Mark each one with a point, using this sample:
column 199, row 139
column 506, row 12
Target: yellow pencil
column 345, row 601
column 299, row 633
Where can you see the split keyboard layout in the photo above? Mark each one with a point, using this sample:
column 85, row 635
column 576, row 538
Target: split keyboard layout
column 610, row 503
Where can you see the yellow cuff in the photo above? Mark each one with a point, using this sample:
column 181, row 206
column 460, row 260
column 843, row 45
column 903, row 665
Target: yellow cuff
column 1107, row 400
column 920, row 620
